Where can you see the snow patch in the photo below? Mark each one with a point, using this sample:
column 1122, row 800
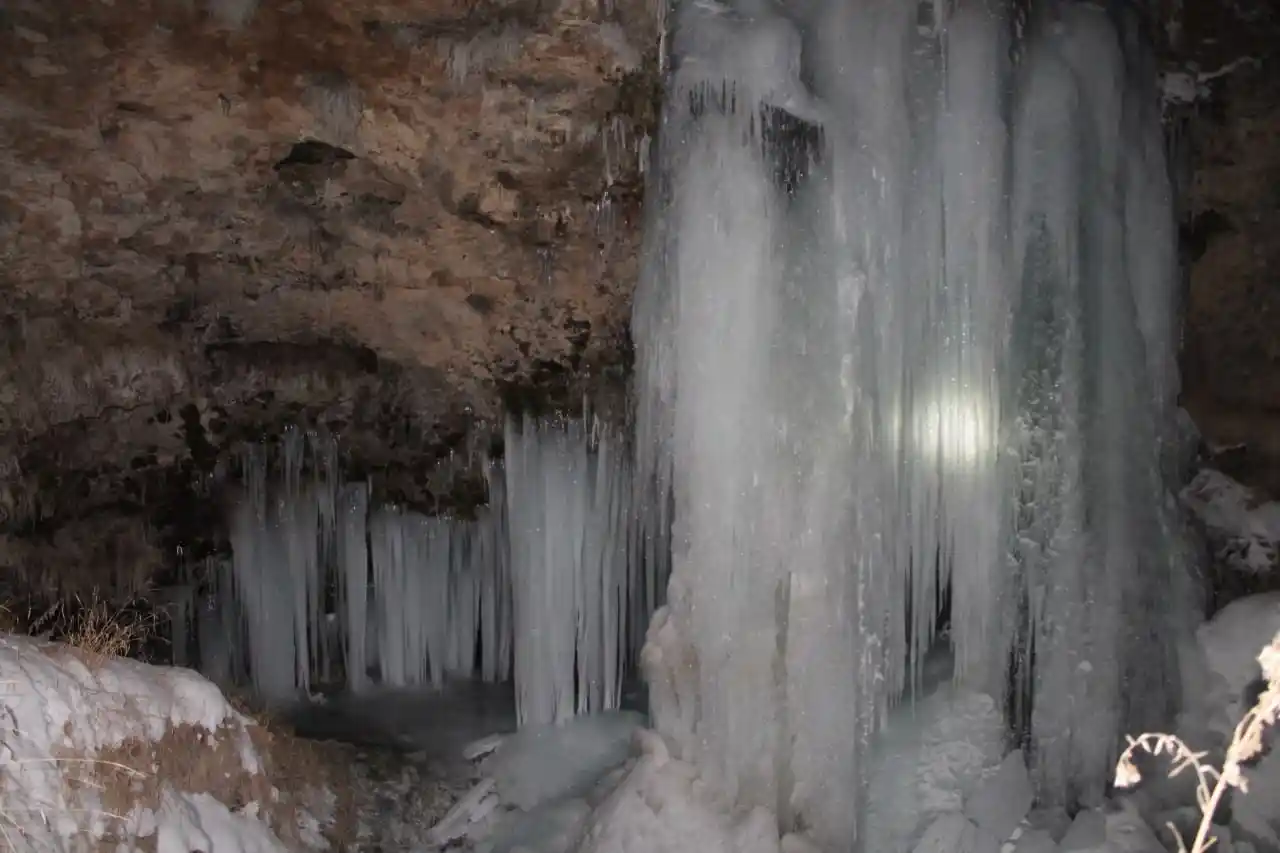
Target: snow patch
column 61, row 708
column 198, row 822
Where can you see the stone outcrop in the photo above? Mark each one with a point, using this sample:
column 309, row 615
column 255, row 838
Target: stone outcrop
column 377, row 217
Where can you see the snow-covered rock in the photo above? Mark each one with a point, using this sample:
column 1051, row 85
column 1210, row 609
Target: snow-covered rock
column 1216, row 675
column 88, row 749
column 1223, row 663
column 1244, row 532
column 1001, row 802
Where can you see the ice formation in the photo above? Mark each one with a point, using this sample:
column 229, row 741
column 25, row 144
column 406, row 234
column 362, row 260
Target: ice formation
column 542, row 586
column 925, row 349
column 276, row 574
column 353, row 568
column 567, row 502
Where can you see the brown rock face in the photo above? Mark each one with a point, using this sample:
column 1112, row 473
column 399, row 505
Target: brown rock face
column 372, row 216
column 1231, row 363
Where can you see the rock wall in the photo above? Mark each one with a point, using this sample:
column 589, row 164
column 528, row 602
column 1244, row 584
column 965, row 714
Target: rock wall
column 377, row 217
column 1231, row 216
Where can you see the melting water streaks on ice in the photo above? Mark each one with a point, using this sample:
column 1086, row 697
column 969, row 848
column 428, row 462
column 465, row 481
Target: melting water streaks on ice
column 931, row 348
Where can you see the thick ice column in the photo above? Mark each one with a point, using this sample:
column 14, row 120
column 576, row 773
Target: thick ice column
column 1097, row 532
column 714, row 398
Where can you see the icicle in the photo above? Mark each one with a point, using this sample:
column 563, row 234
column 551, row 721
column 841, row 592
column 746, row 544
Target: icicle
column 219, row 631
column 326, row 485
column 494, row 589
column 267, row 587
column 464, row 600
column 178, row 603
column 353, row 570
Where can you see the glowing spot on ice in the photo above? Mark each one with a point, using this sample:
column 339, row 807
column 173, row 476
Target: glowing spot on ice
column 957, row 426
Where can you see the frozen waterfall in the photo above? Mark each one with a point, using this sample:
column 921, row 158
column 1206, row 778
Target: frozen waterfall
column 917, row 334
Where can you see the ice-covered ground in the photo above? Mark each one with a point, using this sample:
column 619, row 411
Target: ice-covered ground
column 108, row 751
column 433, row 722
column 111, row 751
column 447, row 767
column 942, row 783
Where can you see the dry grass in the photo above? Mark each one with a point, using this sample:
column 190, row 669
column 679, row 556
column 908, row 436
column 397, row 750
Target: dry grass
column 1213, row 783
column 192, row 760
column 93, row 626
column 100, row 630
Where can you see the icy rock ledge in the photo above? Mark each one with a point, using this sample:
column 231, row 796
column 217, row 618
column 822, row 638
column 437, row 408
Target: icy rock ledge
column 89, row 746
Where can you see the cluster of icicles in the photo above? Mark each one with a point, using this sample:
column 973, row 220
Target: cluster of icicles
column 907, row 334
column 322, row 586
